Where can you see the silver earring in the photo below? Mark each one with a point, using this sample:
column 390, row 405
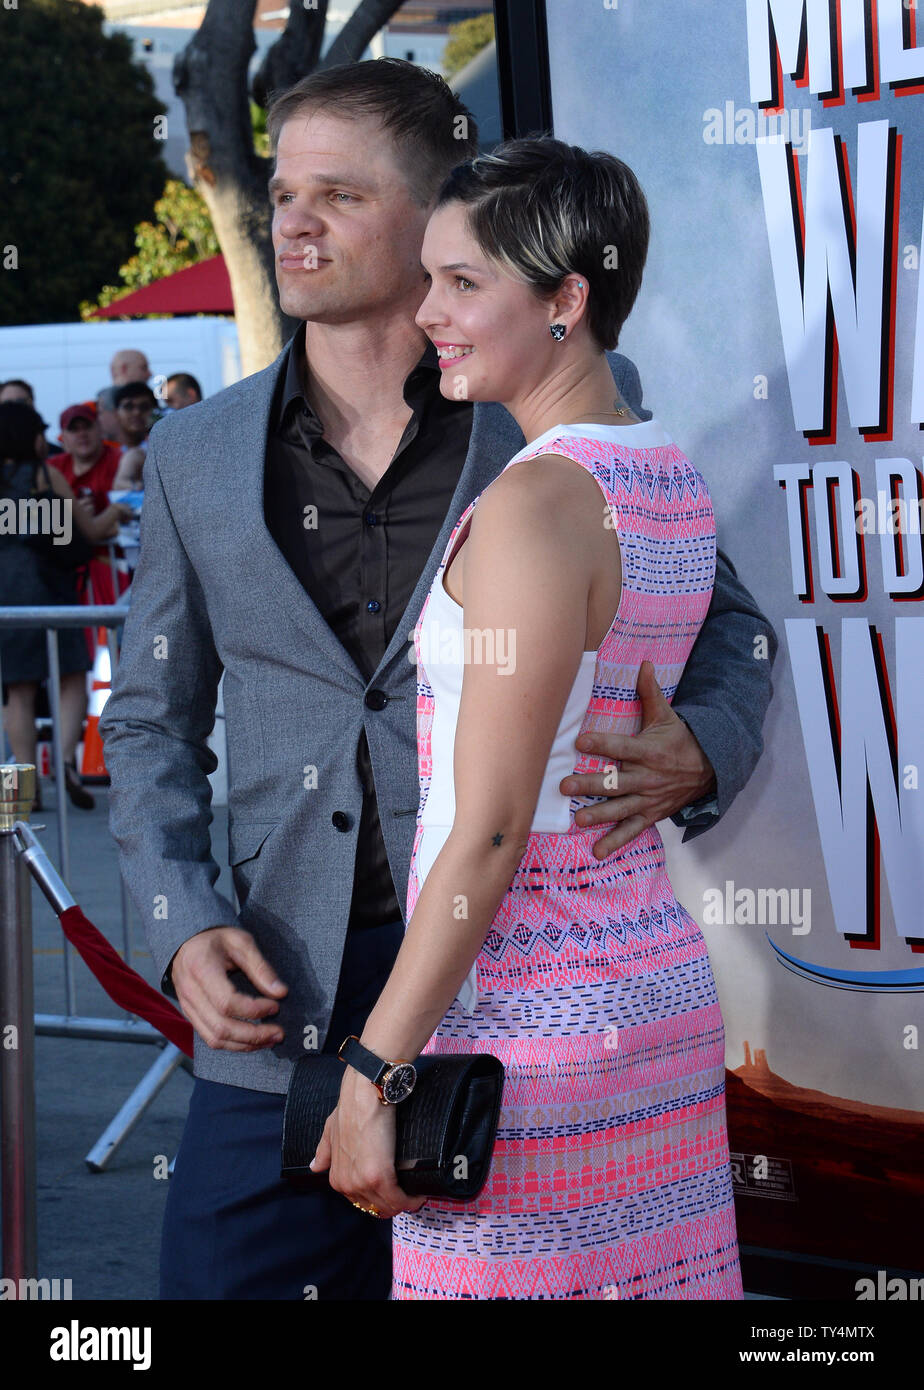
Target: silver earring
column 557, row 331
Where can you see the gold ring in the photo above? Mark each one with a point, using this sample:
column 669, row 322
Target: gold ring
column 370, row 1211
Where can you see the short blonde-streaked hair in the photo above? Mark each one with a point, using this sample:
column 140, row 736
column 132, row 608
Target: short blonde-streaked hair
column 541, row 210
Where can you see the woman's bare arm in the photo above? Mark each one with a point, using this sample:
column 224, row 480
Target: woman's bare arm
column 526, row 584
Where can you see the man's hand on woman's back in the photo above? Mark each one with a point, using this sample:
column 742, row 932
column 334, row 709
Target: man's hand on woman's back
column 663, row 769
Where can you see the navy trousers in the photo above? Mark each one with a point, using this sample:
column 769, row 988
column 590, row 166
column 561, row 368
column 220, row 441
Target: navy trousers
column 233, row 1228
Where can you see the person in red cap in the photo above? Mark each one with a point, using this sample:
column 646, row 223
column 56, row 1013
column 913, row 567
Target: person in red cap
column 91, row 465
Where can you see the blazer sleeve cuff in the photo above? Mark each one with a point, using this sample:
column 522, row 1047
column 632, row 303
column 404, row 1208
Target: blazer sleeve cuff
column 703, row 813
column 164, row 948
column 166, row 979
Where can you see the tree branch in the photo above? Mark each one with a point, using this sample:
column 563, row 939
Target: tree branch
column 294, row 54
column 210, row 75
column 359, row 31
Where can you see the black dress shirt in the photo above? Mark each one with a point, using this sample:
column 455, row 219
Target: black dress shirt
column 361, row 562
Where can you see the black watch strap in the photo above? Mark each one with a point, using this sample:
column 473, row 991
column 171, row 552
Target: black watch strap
column 365, row 1062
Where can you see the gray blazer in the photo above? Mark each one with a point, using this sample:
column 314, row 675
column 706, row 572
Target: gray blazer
column 212, row 593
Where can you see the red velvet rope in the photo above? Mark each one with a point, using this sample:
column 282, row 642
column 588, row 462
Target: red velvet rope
column 124, row 985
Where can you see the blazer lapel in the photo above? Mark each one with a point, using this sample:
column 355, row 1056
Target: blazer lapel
column 495, row 438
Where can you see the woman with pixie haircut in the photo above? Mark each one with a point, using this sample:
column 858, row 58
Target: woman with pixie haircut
column 591, row 553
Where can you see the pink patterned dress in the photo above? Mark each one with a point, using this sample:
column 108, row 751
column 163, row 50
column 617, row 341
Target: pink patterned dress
column 610, row 1177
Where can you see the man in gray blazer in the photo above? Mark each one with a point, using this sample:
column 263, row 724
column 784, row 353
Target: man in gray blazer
column 292, row 526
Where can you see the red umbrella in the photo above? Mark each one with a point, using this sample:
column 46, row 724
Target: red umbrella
column 203, row 288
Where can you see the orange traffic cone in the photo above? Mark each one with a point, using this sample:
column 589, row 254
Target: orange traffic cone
column 92, row 763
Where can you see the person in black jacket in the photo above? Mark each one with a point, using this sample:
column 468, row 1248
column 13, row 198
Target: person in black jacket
column 27, row 578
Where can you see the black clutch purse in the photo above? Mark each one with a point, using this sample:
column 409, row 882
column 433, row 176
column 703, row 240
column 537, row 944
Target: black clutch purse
column 445, row 1129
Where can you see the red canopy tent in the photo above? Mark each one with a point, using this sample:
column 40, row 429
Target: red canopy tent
column 203, row 288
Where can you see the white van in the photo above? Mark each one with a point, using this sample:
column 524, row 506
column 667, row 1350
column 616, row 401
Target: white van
column 69, row 362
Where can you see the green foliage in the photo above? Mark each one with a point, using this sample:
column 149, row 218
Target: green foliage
column 79, row 162
column 466, row 39
column 261, row 141
column 182, row 235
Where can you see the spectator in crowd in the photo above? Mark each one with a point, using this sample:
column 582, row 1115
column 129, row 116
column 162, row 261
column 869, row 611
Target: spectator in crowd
column 28, row 578
column 106, row 414
column 135, row 404
column 129, row 365
column 182, row 390
column 89, row 462
column 91, row 467
column 17, row 390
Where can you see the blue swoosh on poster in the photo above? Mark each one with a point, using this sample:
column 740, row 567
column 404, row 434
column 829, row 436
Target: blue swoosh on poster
column 870, row 981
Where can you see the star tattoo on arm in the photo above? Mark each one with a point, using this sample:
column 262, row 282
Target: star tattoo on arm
column 497, row 839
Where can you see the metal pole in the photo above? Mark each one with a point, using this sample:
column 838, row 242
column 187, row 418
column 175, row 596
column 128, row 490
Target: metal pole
column 17, row 1038
column 126, row 922
column 99, row 1029
column 64, row 858
column 43, row 871
column 124, row 900
column 118, row 1130
column 113, row 569
column 3, row 738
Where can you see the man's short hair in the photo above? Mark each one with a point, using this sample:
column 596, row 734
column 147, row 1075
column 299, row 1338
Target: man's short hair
column 186, row 382
column 431, row 128
column 131, row 389
column 542, row 210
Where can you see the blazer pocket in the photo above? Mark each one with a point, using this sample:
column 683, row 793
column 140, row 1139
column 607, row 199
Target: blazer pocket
column 246, row 839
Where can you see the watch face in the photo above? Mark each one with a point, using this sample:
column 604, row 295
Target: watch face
column 399, row 1083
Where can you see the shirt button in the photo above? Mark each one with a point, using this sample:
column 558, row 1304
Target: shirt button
column 373, row 606
column 370, row 519
column 341, row 820
column 376, row 699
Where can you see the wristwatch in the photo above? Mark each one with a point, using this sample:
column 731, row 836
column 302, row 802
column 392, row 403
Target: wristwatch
column 394, row 1081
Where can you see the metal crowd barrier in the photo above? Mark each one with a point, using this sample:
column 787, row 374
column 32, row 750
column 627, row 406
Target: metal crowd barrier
column 20, row 856
column 109, row 616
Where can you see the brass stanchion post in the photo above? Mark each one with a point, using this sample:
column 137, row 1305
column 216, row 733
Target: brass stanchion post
column 17, row 1032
